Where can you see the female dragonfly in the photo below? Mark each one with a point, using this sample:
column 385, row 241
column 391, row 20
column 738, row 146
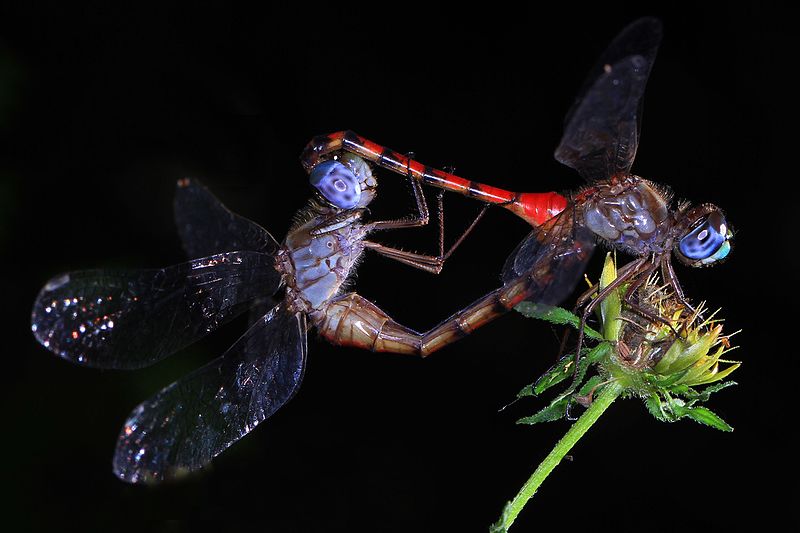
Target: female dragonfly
column 131, row 319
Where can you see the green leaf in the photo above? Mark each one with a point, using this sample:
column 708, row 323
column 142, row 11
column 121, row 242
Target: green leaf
column 706, row 416
column 656, row 408
column 555, row 411
column 593, row 385
column 527, row 390
column 556, row 315
column 558, row 407
column 565, row 368
column 708, row 391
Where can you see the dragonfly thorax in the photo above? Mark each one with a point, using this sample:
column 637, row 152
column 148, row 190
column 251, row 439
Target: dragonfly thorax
column 315, row 265
column 630, row 214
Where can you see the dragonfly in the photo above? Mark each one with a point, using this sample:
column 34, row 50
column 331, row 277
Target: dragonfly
column 615, row 207
column 129, row 319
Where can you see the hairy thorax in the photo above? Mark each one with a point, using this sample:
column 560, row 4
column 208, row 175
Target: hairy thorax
column 315, row 267
column 630, row 213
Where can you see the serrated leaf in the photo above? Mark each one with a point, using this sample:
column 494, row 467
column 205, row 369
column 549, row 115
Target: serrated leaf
column 655, row 407
column 594, row 385
column 565, row 368
column 526, row 391
column 708, row 391
column 707, row 417
column 555, row 411
column 685, row 391
column 559, row 407
column 556, row 315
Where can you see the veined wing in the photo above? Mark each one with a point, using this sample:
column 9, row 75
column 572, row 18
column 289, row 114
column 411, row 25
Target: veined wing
column 193, row 420
column 601, row 132
column 127, row 320
column 553, row 256
column 207, row 227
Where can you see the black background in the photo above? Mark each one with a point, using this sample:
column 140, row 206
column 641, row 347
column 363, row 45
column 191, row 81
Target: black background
column 102, row 109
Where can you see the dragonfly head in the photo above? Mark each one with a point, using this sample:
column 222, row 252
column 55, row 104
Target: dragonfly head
column 346, row 181
column 703, row 236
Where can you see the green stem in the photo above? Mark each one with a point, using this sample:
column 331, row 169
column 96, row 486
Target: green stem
column 607, row 395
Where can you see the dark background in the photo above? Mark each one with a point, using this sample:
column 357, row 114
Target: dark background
column 102, row 109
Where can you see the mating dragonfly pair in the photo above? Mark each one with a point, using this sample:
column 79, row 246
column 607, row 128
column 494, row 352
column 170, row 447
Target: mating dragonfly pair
column 128, row 320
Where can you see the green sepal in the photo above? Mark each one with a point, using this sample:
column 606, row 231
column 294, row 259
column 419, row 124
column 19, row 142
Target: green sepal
column 610, row 308
column 668, row 381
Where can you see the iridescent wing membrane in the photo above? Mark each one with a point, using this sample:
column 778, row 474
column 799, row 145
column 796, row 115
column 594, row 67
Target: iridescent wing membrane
column 193, row 420
column 207, row 227
column 127, row 320
column 600, row 138
column 553, row 256
column 132, row 319
column 601, row 132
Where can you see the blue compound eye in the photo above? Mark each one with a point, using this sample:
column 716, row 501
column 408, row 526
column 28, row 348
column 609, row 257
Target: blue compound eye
column 337, row 183
column 708, row 242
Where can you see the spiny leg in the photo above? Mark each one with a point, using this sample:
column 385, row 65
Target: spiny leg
column 668, row 273
column 602, row 295
column 429, row 263
column 585, row 298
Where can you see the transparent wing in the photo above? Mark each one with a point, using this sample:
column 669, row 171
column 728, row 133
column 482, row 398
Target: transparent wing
column 207, row 227
column 601, row 132
column 126, row 320
column 196, row 418
column 554, row 256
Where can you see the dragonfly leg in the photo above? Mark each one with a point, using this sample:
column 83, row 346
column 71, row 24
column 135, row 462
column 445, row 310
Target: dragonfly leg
column 668, row 273
column 422, row 216
column 429, row 263
column 585, row 298
column 636, row 308
column 352, row 320
column 629, row 272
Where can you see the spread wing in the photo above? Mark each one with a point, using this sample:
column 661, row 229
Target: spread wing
column 207, row 227
column 132, row 319
column 553, row 256
column 601, row 132
column 196, row 418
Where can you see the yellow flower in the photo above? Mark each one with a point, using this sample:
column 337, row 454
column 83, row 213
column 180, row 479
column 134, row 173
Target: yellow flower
column 681, row 348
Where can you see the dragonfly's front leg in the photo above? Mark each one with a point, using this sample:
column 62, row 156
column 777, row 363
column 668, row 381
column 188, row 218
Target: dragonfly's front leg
column 668, row 273
column 429, row 263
